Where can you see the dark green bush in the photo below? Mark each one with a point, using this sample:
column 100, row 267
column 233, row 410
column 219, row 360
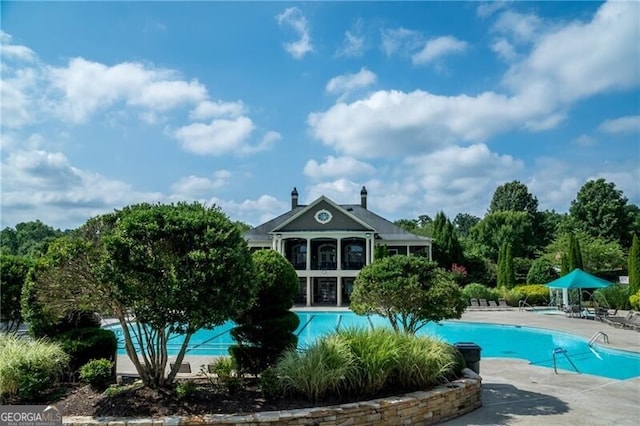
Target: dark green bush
column 269, row 384
column 479, row 291
column 542, row 271
column 86, row 344
column 614, row 297
column 534, row 294
column 98, row 373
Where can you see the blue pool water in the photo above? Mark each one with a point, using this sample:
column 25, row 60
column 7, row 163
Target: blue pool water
column 497, row 341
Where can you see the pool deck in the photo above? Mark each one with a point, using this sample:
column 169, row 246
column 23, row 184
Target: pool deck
column 517, row 393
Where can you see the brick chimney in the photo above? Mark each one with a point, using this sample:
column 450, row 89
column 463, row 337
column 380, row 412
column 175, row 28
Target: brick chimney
column 363, row 198
column 294, row 198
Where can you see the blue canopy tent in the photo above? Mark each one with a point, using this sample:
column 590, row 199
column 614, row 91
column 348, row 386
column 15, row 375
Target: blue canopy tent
column 577, row 279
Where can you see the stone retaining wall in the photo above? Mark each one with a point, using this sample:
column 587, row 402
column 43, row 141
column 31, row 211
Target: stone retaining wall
column 417, row 408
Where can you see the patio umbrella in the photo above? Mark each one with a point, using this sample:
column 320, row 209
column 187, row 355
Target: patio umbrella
column 578, row 279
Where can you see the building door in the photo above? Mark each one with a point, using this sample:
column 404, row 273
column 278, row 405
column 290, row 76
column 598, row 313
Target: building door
column 325, row 291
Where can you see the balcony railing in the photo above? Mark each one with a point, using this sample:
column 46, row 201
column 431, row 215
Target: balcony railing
column 321, row 266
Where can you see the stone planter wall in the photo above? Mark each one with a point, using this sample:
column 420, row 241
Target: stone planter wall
column 416, row 408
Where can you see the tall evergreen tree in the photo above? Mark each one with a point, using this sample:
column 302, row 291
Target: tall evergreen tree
column 509, row 270
column 564, row 265
column 634, row 266
column 577, row 255
column 502, row 255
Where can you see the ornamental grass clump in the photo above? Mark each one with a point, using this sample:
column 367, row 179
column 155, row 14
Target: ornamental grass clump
column 358, row 361
column 326, row 367
column 426, row 361
column 29, row 367
column 376, row 353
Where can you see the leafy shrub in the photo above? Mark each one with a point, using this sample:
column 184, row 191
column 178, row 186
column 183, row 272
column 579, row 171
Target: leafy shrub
column 29, row 367
column 269, row 383
column 614, row 297
column 634, row 300
column 226, row 374
column 185, row 389
column 98, row 373
column 512, row 296
column 479, row 291
column 521, row 267
column 534, row 294
column 542, row 271
column 85, row 344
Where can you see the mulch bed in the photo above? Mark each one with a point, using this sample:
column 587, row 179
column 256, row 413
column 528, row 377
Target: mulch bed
column 137, row 401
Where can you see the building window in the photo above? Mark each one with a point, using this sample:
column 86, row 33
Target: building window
column 327, row 256
column 354, row 256
column 299, row 258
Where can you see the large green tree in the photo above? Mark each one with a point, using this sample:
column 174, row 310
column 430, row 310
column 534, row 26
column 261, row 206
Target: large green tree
column 513, row 196
column 597, row 253
column 266, row 330
column 574, row 255
column 173, row 268
column 13, row 273
column 447, row 249
column 28, row 238
column 601, row 211
column 495, row 229
column 409, row 291
column 463, row 222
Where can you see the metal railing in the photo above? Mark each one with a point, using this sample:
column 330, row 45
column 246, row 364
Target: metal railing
column 597, row 335
column 566, row 355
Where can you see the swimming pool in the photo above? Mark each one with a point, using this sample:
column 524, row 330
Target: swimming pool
column 497, row 341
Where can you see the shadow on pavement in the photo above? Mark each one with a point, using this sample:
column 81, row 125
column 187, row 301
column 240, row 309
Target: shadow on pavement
column 501, row 402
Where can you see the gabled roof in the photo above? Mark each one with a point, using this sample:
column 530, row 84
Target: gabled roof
column 313, row 205
column 383, row 228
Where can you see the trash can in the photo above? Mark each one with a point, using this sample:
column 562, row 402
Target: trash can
column 471, row 354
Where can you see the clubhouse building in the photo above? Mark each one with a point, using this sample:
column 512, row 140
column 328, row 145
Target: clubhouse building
column 329, row 243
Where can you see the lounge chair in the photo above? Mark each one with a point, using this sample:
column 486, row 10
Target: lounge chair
column 185, row 368
column 483, row 303
column 475, row 303
column 493, row 304
column 502, row 303
column 624, row 322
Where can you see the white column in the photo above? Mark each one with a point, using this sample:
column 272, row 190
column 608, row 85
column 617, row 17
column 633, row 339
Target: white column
column 308, row 260
column 309, row 294
column 339, row 256
column 367, row 256
column 339, row 290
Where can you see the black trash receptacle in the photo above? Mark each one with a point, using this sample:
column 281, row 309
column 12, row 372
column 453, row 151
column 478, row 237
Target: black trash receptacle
column 471, row 354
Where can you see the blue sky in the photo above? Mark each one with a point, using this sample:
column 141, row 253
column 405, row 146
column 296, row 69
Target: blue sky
column 430, row 105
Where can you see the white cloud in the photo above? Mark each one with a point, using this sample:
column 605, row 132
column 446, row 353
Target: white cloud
column 400, row 41
column 253, row 212
column 460, row 179
column 197, row 186
column 504, row 50
column 87, row 87
column 523, row 28
column 221, row 136
column 44, row 185
column 209, row 109
column 14, row 51
column 582, row 59
column 565, row 65
column 438, row 47
column 337, row 167
column 628, row 124
column 294, row 18
column 347, row 83
column 488, row 8
column 353, row 44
